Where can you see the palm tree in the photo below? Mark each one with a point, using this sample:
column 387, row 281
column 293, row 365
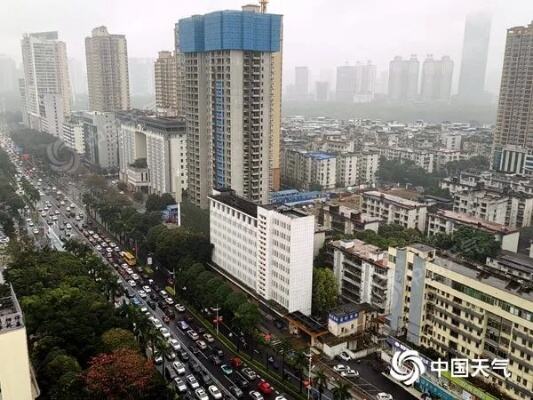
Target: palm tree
column 163, row 349
column 300, row 363
column 321, row 380
column 341, row 391
column 283, row 348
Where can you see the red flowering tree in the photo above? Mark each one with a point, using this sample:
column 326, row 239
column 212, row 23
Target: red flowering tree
column 123, row 374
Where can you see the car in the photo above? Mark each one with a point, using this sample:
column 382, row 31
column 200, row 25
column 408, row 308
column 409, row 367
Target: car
column 136, row 301
column 206, row 379
column 242, row 382
column 31, row 224
column 214, row 392
column 226, row 369
column 169, row 301
column 192, row 334
column 254, row 395
column 164, row 332
column 264, row 387
column 249, row 374
column 350, row 373
column 44, row 214
column 179, row 367
column 236, row 391
column 184, row 326
column 180, row 308
column 236, row 362
column 147, row 289
column 158, row 360
column 143, row 294
column 209, row 338
column 384, row 396
column 135, row 277
column 215, row 359
column 280, row 397
column 344, row 356
column 183, row 355
column 176, row 346
column 170, row 356
column 201, row 344
column 192, row 382
column 57, row 212
column 36, row 231
column 156, row 322
column 194, row 367
column 340, row 368
column 218, row 351
column 166, row 319
column 163, row 293
column 201, row 394
column 54, row 218
column 132, row 283
column 180, row 385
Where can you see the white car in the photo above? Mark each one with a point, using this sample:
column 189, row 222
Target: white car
column 54, row 218
column 209, row 338
column 180, row 308
column 44, row 214
column 163, row 294
column 164, row 332
column 344, row 356
column 214, row 392
column 180, row 385
column 36, row 231
column 193, row 383
column 57, row 212
column 176, row 346
column 156, row 322
column 142, row 294
column 340, row 368
column 201, row 394
column 169, row 301
column 384, row 396
column 201, row 344
column 135, row 277
column 30, row 224
column 178, row 367
column 350, row 373
column 147, row 289
column 98, row 247
column 132, row 283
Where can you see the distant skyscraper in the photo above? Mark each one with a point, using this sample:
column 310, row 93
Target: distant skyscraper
column 166, row 83
column 141, row 73
column 513, row 136
column 321, row 91
column 474, row 58
column 436, row 79
column 107, row 71
column 301, row 83
column 232, row 101
column 365, row 82
column 8, row 75
column 78, row 76
column 46, row 75
column 403, row 79
column 346, row 81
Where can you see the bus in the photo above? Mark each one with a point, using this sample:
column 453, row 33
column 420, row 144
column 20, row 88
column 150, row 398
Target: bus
column 129, row 258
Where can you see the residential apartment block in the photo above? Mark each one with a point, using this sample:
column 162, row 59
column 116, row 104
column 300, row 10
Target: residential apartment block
column 353, row 169
column 447, row 222
column 461, row 311
column 153, row 153
column 101, row 139
column 403, row 79
column 436, row 83
column 107, row 71
column 17, row 381
column 395, row 210
column 47, row 94
column 168, row 99
column 423, row 158
column 73, row 134
column 363, row 274
column 482, row 204
column 267, row 249
column 309, row 169
column 232, row 89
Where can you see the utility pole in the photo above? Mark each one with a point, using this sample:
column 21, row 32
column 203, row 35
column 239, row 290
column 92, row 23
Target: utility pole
column 218, row 322
column 309, row 374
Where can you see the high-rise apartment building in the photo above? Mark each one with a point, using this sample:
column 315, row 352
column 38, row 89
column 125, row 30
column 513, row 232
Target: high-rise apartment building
column 436, row 82
column 107, row 71
column 474, row 58
column 16, row 376
column 166, row 83
column 232, row 88
column 403, row 79
column 101, row 138
column 356, row 82
column 46, row 76
column 513, row 136
column 301, row 83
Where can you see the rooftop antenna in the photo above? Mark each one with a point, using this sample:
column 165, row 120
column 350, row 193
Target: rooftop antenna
column 263, row 4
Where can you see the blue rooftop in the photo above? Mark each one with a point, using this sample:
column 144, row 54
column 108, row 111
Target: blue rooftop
column 319, row 155
column 230, row 30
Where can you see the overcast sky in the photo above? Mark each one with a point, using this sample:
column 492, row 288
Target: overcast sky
column 318, row 33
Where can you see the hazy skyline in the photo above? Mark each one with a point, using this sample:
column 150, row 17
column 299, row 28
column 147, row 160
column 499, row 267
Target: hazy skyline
column 320, row 34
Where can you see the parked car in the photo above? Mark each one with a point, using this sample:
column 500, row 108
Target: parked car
column 192, row 382
column 214, row 392
column 180, row 385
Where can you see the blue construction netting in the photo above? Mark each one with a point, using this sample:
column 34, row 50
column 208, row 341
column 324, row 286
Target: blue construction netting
column 230, row 30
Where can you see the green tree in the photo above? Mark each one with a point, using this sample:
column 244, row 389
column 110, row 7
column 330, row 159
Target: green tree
column 325, row 290
column 118, row 338
column 474, row 244
column 341, row 391
column 246, row 317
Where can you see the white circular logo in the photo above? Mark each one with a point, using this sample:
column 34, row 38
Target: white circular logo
column 407, row 366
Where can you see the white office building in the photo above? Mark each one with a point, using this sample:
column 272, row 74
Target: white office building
column 73, row 134
column 268, row 250
column 101, row 139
